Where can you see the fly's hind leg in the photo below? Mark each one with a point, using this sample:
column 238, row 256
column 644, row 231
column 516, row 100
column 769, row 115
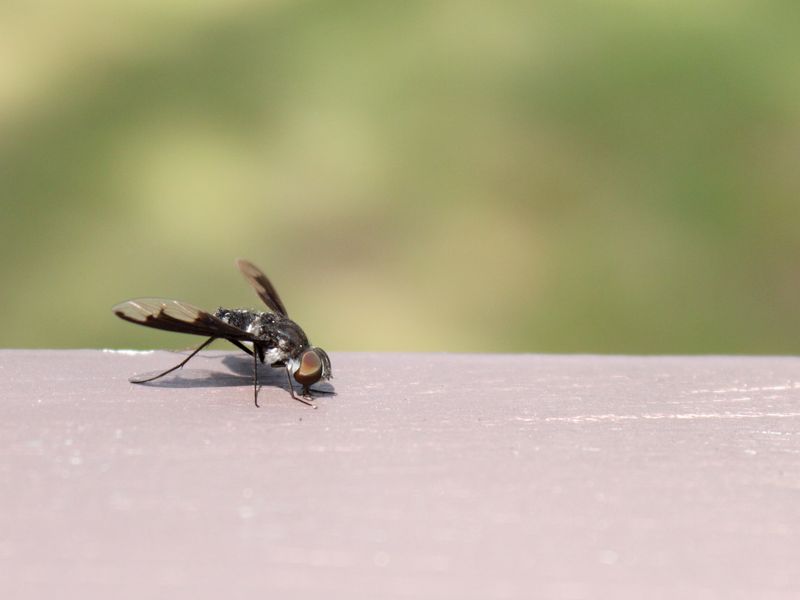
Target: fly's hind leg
column 178, row 366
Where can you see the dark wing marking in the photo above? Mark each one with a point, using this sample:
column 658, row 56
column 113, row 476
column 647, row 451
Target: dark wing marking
column 262, row 285
column 172, row 315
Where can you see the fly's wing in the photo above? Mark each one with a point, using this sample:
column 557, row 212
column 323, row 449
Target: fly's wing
column 262, row 285
column 173, row 315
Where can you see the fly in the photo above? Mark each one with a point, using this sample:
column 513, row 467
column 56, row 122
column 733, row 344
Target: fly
column 274, row 338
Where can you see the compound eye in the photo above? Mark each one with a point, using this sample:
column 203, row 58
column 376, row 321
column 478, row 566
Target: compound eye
column 310, row 369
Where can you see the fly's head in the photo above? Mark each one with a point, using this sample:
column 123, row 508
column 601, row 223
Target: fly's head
column 310, row 366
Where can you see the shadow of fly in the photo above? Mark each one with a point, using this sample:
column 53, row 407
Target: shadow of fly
column 273, row 337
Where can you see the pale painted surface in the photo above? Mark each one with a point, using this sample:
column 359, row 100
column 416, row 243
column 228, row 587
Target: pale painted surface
column 428, row 476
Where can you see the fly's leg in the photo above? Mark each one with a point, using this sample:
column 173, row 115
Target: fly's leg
column 255, row 378
column 254, row 354
column 291, row 391
column 178, row 366
column 241, row 346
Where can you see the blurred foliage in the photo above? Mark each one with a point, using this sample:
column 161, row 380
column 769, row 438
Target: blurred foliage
column 546, row 176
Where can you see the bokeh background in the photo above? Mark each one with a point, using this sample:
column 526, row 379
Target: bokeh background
column 545, row 176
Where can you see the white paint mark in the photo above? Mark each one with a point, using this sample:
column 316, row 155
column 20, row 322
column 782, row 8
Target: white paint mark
column 435, row 562
column 381, row 559
column 608, row 557
column 126, row 352
column 120, row 501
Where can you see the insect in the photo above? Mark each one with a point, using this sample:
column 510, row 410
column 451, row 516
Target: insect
column 274, row 338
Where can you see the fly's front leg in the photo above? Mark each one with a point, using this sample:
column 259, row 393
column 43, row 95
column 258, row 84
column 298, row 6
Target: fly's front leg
column 291, row 391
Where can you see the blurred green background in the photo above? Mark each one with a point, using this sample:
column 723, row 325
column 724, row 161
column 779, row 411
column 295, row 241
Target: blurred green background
column 546, row 176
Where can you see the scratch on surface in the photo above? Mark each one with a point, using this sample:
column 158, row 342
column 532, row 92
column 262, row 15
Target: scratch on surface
column 742, row 399
column 794, row 385
column 677, row 416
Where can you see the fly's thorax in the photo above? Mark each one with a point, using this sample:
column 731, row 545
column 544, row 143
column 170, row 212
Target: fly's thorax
column 280, row 338
column 278, row 332
column 238, row 317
